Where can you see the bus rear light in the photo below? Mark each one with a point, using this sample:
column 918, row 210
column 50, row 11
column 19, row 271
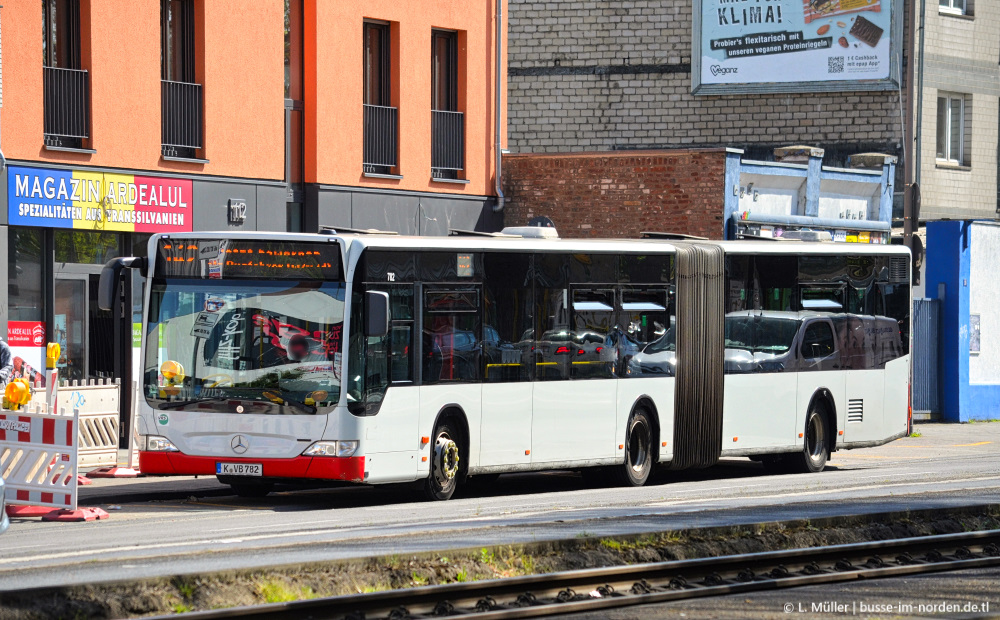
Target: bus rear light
column 155, row 443
column 342, row 449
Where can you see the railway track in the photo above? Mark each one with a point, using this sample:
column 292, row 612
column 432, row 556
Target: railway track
column 590, row 590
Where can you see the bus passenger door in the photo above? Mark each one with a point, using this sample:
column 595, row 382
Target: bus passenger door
column 575, row 397
column 392, row 435
column 508, row 347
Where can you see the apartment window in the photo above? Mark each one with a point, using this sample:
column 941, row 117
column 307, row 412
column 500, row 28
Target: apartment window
column 951, row 129
column 380, row 117
column 957, row 7
column 447, row 123
column 66, row 86
column 181, row 96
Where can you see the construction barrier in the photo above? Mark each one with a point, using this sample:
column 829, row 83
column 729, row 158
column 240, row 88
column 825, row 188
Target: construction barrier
column 99, row 404
column 38, row 460
column 131, row 468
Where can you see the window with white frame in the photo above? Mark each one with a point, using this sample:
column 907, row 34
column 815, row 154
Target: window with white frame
column 951, row 139
column 956, row 7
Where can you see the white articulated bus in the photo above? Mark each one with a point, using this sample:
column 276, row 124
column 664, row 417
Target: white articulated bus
column 374, row 358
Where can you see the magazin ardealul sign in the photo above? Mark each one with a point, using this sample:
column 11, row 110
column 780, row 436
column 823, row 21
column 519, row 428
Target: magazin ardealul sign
column 795, row 45
column 81, row 199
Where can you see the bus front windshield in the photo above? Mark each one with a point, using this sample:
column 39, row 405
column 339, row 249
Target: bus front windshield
column 247, row 346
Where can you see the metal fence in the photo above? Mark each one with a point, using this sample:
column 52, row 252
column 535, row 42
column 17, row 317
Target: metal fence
column 67, row 102
column 926, row 317
column 381, row 130
column 181, row 115
column 447, row 140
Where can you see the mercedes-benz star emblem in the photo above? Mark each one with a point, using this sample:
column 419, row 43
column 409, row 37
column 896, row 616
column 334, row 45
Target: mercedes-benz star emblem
column 240, row 444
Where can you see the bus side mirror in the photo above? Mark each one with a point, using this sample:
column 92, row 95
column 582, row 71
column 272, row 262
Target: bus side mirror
column 377, row 315
column 107, row 288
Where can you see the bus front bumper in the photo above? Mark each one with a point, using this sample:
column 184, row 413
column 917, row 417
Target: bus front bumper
column 350, row 469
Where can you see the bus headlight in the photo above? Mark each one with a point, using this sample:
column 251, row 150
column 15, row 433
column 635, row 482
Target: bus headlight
column 342, row 449
column 155, row 443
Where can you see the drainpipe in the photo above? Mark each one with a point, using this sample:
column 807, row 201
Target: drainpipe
column 498, row 207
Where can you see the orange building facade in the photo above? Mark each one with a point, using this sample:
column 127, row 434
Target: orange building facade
column 120, row 120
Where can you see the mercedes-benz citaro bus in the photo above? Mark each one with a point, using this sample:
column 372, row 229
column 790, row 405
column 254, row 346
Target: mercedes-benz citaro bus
column 375, row 358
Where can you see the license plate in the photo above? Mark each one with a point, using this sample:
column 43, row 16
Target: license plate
column 239, row 469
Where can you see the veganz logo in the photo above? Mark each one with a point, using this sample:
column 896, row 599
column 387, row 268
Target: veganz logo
column 717, row 70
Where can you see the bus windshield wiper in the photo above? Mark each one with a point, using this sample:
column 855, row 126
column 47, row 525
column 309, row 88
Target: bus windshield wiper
column 285, row 400
column 177, row 404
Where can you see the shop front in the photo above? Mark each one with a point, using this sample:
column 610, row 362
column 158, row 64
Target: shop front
column 62, row 226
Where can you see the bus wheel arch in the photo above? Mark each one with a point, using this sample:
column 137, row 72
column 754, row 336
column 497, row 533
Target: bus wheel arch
column 449, row 443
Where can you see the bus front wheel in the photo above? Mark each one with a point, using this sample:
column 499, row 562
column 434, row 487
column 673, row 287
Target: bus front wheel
column 634, row 472
column 445, row 458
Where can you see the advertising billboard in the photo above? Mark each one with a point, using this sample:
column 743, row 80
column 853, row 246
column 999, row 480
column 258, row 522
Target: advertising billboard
column 795, row 45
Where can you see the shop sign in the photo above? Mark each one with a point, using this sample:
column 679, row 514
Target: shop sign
column 795, row 45
column 27, row 348
column 54, row 198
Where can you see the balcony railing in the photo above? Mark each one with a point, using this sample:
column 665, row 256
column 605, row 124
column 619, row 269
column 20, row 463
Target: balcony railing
column 67, row 105
column 380, row 138
column 181, row 118
column 447, row 143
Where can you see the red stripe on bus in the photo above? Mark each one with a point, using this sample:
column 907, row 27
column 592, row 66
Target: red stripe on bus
column 316, row 468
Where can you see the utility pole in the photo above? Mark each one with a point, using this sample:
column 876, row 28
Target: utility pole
column 909, row 225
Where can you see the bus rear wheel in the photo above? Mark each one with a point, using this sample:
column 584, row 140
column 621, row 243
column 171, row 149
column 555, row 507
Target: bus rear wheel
column 815, row 445
column 445, row 458
column 634, row 472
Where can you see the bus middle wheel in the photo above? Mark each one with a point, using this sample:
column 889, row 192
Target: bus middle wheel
column 445, row 458
column 638, row 463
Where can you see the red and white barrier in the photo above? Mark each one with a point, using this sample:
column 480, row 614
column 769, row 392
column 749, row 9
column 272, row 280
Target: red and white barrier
column 38, row 460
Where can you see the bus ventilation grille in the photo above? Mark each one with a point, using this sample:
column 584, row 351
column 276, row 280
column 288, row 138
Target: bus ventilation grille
column 855, row 410
column 899, row 269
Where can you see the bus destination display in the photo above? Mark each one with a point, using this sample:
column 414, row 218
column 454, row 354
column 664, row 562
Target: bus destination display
column 248, row 259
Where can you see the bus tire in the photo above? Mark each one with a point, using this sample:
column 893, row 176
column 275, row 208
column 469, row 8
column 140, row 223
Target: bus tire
column 446, row 455
column 634, row 472
column 815, row 445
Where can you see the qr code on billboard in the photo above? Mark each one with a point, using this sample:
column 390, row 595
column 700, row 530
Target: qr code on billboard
column 835, row 64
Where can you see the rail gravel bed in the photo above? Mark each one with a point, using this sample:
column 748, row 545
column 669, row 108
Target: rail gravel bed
column 537, row 562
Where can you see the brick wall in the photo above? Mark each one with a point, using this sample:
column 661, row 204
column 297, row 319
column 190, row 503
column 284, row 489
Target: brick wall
column 588, row 75
column 619, row 194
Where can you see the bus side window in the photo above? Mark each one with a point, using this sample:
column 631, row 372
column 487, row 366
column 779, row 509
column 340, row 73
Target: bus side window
column 817, row 341
column 776, row 277
column 508, row 339
column 451, row 335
